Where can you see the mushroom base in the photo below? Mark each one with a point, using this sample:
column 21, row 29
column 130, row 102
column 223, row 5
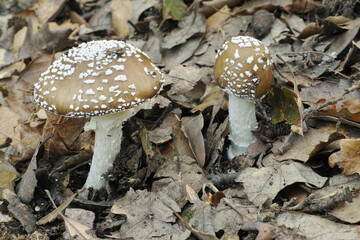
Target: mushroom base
column 108, row 134
column 242, row 120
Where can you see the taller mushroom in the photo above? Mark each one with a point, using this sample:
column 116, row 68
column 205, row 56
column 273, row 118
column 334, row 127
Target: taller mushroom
column 243, row 68
column 102, row 80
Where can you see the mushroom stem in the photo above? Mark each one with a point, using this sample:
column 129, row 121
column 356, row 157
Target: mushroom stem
column 242, row 120
column 108, row 134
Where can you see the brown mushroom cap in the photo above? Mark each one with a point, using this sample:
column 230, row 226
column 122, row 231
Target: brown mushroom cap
column 243, row 67
column 97, row 78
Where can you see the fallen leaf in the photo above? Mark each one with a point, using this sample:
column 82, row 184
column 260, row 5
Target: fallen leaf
column 327, row 90
column 214, row 96
column 77, row 229
column 348, row 158
column 173, row 176
column 188, row 27
column 9, row 122
column 19, row 210
column 284, row 106
column 347, row 109
column 174, row 9
column 217, row 20
column 348, row 212
column 28, row 183
column 317, row 227
column 121, row 11
column 148, row 215
column 301, row 6
column 47, row 10
column 252, row 6
column 8, row 174
column 310, row 30
column 305, row 147
column 55, row 213
column 300, row 79
column 192, row 127
column 79, row 222
column 263, row 184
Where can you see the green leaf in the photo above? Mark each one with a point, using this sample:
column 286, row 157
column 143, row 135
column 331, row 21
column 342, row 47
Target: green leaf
column 284, row 107
column 174, row 9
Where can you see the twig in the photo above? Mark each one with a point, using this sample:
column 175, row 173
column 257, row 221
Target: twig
column 336, row 119
column 307, row 52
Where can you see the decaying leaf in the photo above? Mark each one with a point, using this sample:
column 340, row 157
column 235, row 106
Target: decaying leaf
column 284, row 107
column 79, row 223
column 348, row 212
column 8, row 174
column 66, row 135
column 305, row 147
column 174, row 174
column 9, row 121
column 53, row 214
column 20, row 211
column 310, row 30
column 300, row 79
column 121, row 13
column 148, row 215
column 317, row 226
column 192, row 127
column 347, row 109
column 348, row 158
column 217, row 20
column 265, row 183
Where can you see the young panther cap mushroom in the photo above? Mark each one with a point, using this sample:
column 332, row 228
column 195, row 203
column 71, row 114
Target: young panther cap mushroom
column 101, row 80
column 243, row 68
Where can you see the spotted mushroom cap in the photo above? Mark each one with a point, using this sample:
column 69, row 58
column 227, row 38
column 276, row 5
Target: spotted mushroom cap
column 97, row 78
column 243, row 67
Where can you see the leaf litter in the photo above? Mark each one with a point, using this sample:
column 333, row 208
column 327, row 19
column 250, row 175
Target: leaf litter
column 175, row 145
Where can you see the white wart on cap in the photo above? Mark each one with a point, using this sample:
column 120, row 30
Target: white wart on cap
column 97, row 78
column 243, row 67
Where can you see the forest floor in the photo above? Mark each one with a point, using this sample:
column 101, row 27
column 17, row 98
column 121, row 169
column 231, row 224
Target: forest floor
column 172, row 178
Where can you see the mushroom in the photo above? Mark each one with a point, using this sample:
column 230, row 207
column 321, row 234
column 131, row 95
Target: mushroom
column 243, row 68
column 103, row 80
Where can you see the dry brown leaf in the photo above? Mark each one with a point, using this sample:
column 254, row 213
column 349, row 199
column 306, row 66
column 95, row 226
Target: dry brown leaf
column 53, row 214
column 77, row 229
column 9, row 121
column 174, row 174
column 301, row 79
column 66, row 138
column 47, row 10
column 347, row 108
column 181, row 143
column 348, row 212
column 192, row 127
column 348, row 158
column 148, row 216
column 252, row 6
column 303, row 148
column 121, row 11
column 302, row 6
column 8, row 71
column 214, row 96
column 217, row 20
column 310, row 30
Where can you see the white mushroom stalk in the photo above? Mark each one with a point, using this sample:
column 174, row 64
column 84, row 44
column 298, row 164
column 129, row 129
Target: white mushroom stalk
column 242, row 121
column 99, row 79
column 108, row 134
column 243, row 68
